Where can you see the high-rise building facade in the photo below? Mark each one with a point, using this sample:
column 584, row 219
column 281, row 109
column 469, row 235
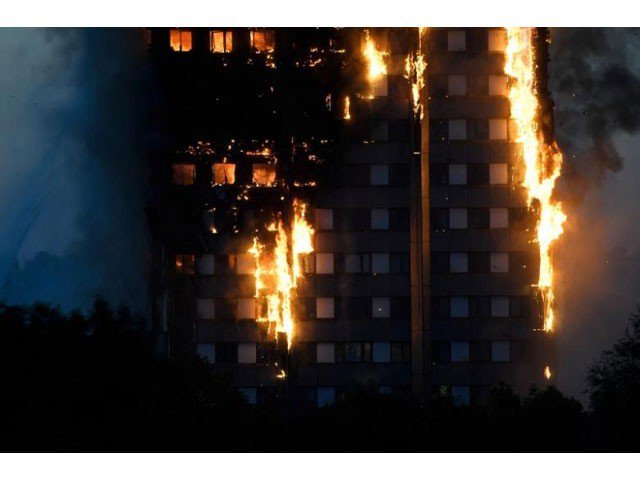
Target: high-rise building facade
column 418, row 276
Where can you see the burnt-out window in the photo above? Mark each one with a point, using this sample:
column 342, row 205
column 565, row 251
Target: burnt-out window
column 480, row 307
column 226, row 352
column 478, row 129
column 353, row 352
column 262, row 41
column 220, row 41
column 439, row 174
column 266, row 353
column 400, row 308
column 440, row 307
column 356, row 263
column 353, row 219
column 304, row 353
column 441, row 352
column 355, row 308
column 479, row 262
column 477, row 85
column 180, row 40
column 224, row 173
column 399, row 219
column 399, row 263
column 185, row 263
column 440, row 262
column 400, row 352
column 264, row 174
column 478, row 174
column 184, row 173
column 519, row 218
column 479, row 218
column 519, row 307
column 305, row 308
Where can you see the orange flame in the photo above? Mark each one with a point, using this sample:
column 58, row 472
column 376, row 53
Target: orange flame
column 415, row 67
column 542, row 162
column 376, row 60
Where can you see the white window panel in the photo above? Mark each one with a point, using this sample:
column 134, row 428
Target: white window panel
column 458, row 129
column 458, row 174
column 324, row 263
column 246, row 264
column 497, row 40
column 457, row 85
column 246, row 308
column 324, row 307
column 250, row 394
column 206, row 308
column 498, row 174
column 459, row 307
column 499, row 262
column 246, row 353
column 379, row 174
column 499, row 218
column 498, row 85
column 459, row 352
column 381, row 352
column 325, row 352
column 379, row 263
column 499, row 306
column 458, row 262
column 380, row 307
column 324, row 219
column 498, row 129
column 457, row 218
column 380, row 219
column 500, row 351
column 456, row 41
column 326, row 396
column 207, row 351
column 461, row 395
column 206, row 264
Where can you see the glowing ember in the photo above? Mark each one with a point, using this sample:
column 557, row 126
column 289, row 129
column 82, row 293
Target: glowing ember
column 376, row 60
column 542, row 162
column 278, row 271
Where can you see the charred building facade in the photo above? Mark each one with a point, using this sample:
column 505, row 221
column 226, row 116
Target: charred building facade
column 319, row 227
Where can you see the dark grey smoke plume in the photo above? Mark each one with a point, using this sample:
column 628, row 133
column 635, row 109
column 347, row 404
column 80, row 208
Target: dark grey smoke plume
column 595, row 82
column 72, row 151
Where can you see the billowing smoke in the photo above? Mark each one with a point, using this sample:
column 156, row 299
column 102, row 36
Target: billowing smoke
column 595, row 82
column 72, row 189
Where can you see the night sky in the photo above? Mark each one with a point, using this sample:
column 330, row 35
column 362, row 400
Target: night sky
column 72, row 192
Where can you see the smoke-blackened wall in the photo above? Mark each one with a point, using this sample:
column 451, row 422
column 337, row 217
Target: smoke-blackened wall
column 72, row 150
column 595, row 81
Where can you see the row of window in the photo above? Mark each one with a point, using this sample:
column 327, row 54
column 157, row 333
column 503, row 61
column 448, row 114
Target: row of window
column 464, row 351
column 468, row 85
column 497, row 40
column 307, row 353
column 311, row 396
column 443, row 307
column 361, row 219
column 250, row 308
column 221, row 41
column 478, row 218
column 476, row 262
column 496, row 129
column 469, row 174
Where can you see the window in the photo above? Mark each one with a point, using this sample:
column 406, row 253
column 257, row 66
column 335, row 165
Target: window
column 380, row 219
column 500, row 351
column 400, row 263
column 220, row 41
column 324, row 307
column 380, row 307
column 379, row 263
column 326, row 396
column 497, row 40
column 379, row 175
column 246, row 353
column 458, row 263
column 499, row 262
column 205, row 264
column 461, row 395
column 499, row 306
column 457, row 85
column 458, row 218
column 185, row 263
column 400, row 352
column 353, row 352
column 262, row 40
column 456, row 41
column 226, row 352
column 324, row 263
column 459, row 307
column 457, row 174
column 498, row 129
column 245, row 264
column 499, row 217
column 184, row 173
column 250, row 394
column 246, row 308
column 498, row 85
column 458, row 129
column 479, row 262
column 380, row 129
column 498, row 174
column 478, row 218
column 206, row 308
column 264, row 175
column 459, row 352
column 180, row 40
column 326, row 352
column 381, row 352
column 207, row 351
column 324, row 219
column 478, row 174
column 224, row 173
column 357, row 263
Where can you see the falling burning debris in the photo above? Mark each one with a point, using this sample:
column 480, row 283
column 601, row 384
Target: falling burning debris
column 376, row 61
column 279, row 270
column 547, row 372
column 542, row 162
column 347, row 108
column 415, row 68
